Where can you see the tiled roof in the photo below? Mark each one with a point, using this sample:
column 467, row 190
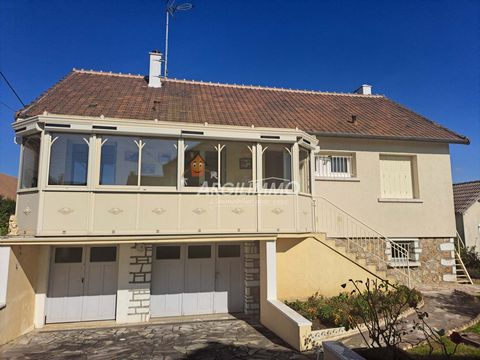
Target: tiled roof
column 465, row 194
column 8, row 186
column 89, row 93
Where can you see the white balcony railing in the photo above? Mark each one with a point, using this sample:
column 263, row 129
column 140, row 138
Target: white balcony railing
column 333, row 166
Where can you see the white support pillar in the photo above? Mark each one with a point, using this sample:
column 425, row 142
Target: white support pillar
column 41, row 288
column 271, row 269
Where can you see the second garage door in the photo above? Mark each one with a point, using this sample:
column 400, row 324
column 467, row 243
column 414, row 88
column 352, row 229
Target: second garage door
column 197, row 279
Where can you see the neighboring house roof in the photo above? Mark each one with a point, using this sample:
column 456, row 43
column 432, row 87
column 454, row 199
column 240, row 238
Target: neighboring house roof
column 90, row 93
column 465, row 195
column 8, row 186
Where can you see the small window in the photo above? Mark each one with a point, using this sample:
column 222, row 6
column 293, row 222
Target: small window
column 68, row 255
column 30, row 158
column 168, row 252
column 334, row 166
column 228, row 251
column 199, row 251
column 304, row 164
column 103, row 254
column 403, row 251
column 396, row 177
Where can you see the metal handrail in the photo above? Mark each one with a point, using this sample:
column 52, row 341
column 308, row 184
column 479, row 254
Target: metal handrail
column 370, row 241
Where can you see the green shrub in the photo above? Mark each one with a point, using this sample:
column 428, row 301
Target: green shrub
column 471, row 260
column 7, row 208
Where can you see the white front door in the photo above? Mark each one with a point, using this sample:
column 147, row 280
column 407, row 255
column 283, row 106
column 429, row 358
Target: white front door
column 83, row 284
column 197, row 279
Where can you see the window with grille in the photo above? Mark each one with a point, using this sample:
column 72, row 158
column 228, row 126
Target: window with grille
column 334, row 166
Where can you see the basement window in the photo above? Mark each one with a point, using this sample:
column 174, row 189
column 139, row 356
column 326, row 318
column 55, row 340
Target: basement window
column 403, row 251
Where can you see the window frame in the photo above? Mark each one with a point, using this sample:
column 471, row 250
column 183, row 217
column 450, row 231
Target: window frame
column 351, row 166
column 21, row 189
column 309, row 176
column 414, row 252
column 262, row 147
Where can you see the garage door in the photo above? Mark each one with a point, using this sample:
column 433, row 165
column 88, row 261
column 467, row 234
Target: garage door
column 197, row 279
column 83, row 284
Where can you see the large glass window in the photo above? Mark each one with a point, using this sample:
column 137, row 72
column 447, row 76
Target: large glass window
column 236, row 168
column 304, row 164
column 68, row 159
column 30, row 158
column 159, row 162
column 119, row 160
column 201, row 163
column 277, row 166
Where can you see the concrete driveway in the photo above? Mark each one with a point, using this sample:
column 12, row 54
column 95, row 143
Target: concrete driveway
column 220, row 339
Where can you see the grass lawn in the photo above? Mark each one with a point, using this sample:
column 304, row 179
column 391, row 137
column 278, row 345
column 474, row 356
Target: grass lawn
column 463, row 351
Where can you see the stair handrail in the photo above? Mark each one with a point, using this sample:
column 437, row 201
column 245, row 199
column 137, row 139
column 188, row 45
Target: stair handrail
column 405, row 254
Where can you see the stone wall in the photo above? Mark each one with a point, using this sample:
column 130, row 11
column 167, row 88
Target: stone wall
column 437, row 261
column 140, row 277
column 252, row 277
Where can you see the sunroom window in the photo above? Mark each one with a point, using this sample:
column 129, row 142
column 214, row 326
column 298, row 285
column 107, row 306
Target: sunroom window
column 119, row 160
column 159, row 162
column 201, row 163
column 236, row 167
column 304, row 164
column 277, row 166
column 68, row 159
column 30, row 158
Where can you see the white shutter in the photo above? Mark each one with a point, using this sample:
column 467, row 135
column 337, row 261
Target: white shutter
column 396, row 177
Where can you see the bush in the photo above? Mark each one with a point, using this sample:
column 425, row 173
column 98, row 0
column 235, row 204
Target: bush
column 471, row 260
column 7, row 208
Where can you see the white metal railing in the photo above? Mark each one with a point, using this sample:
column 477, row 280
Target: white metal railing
column 459, row 246
column 334, row 166
column 361, row 238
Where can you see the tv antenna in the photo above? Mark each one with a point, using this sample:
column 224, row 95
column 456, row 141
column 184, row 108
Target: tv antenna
column 172, row 8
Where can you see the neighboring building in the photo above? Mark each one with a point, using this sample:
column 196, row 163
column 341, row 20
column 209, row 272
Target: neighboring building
column 144, row 197
column 8, row 186
column 467, row 211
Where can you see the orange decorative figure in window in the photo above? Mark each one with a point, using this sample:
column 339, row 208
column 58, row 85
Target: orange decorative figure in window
column 197, row 166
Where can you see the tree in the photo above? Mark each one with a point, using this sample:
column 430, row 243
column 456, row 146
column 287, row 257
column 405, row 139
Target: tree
column 7, row 208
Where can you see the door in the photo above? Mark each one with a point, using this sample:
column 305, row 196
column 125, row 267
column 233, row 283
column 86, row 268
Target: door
column 168, row 281
column 229, row 284
column 83, row 284
column 199, row 280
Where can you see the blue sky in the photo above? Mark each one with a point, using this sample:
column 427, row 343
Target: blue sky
column 423, row 54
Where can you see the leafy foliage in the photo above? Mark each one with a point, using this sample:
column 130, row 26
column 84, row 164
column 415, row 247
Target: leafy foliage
column 7, row 208
column 471, row 260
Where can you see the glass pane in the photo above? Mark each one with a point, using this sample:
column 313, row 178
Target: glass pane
column 119, row 161
column 304, row 163
column 168, row 252
column 236, row 165
column 68, row 255
column 201, row 163
column 277, row 166
column 199, row 251
column 68, row 160
column 103, row 254
column 159, row 162
column 30, row 156
column 228, row 251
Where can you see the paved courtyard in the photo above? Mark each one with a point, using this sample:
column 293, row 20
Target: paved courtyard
column 221, row 339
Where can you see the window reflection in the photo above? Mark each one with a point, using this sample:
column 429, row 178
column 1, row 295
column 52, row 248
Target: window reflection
column 68, row 160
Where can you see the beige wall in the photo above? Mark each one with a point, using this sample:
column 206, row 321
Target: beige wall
column 432, row 217
column 17, row 317
column 307, row 266
column 471, row 221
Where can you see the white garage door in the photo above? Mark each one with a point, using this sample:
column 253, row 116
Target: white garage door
column 197, row 279
column 83, row 284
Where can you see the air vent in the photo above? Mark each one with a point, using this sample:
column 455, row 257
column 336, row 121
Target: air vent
column 189, row 132
column 21, row 129
column 58, row 125
column 272, row 137
column 104, row 127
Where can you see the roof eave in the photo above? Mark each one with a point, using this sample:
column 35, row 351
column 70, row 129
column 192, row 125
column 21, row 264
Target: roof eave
column 461, row 140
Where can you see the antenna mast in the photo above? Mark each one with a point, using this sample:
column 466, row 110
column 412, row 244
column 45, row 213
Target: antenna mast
column 171, row 9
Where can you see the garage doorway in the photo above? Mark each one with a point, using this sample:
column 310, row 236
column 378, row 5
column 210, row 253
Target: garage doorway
column 196, row 279
column 83, row 284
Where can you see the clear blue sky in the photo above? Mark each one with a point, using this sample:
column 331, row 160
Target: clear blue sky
column 423, row 54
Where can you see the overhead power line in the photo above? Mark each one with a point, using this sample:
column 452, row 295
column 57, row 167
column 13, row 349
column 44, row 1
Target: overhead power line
column 11, row 88
column 7, row 106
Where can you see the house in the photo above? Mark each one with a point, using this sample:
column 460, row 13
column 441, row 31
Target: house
column 467, row 211
column 145, row 197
